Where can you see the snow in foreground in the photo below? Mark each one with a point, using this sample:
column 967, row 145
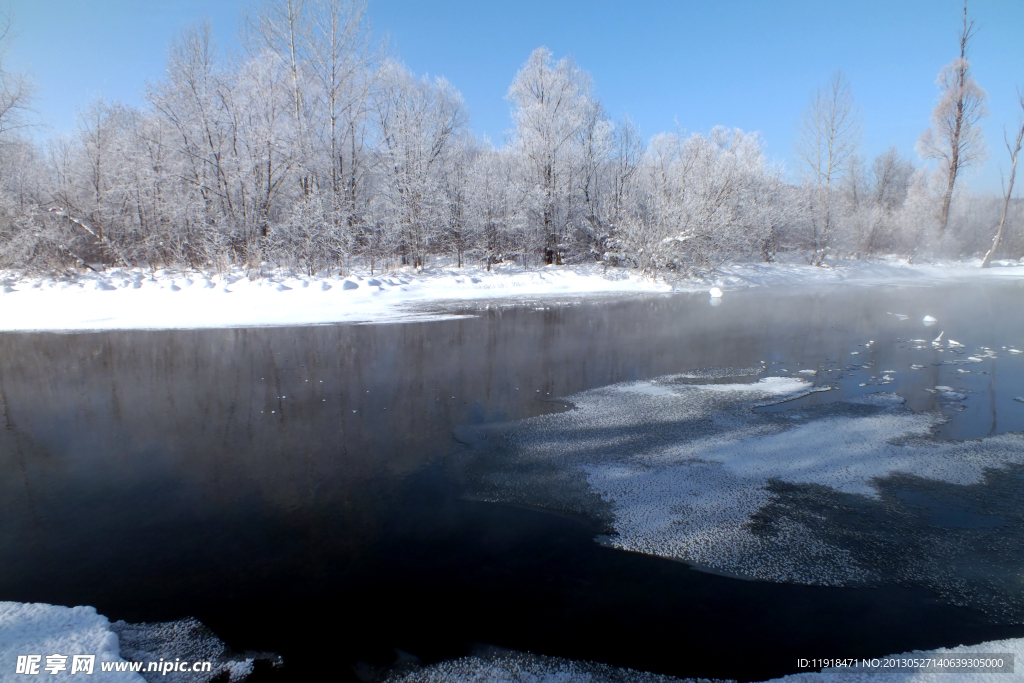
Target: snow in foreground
column 165, row 299
column 33, row 628
column 40, row 629
column 48, row 629
column 519, row 667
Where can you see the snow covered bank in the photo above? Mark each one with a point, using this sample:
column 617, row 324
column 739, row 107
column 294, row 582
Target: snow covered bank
column 139, row 299
column 134, row 299
column 41, row 629
column 517, row 667
column 38, row 629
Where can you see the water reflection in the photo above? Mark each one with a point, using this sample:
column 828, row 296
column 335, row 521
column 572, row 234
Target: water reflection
column 216, row 472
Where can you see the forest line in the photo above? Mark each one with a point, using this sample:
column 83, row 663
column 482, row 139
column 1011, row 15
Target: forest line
column 314, row 150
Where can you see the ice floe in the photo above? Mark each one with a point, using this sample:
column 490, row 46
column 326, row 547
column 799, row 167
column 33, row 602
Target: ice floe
column 687, row 471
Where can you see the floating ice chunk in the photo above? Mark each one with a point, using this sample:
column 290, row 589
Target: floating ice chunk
column 1015, row 351
column 716, row 293
column 1019, row 398
column 900, row 316
column 808, row 372
column 953, row 344
column 929, row 320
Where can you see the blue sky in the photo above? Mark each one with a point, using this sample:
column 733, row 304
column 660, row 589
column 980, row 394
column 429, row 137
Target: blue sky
column 745, row 63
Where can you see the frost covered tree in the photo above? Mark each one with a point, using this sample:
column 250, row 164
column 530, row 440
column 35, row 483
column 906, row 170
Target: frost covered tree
column 699, row 202
column 23, row 237
column 418, row 123
column 494, row 204
column 341, row 61
column 311, row 150
column 888, row 183
column 829, row 135
column 954, row 139
column 552, row 107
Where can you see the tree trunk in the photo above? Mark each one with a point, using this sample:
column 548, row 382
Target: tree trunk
column 1014, row 153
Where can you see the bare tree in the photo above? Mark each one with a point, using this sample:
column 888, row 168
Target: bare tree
column 954, row 138
column 829, row 134
column 1014, row 153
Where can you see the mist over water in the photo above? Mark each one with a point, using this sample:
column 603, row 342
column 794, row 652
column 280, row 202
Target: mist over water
column 269, row 481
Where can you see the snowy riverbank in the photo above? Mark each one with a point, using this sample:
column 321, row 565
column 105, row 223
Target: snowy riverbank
column 172, row 299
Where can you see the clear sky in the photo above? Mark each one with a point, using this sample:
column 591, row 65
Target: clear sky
column 745, row 63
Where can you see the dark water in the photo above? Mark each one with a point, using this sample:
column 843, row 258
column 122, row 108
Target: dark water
column 300, row 490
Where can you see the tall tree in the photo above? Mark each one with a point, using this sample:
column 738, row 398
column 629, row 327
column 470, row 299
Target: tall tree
column 552, row 104
column 954, row 138
column 418, row 121
column 1014, row 151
